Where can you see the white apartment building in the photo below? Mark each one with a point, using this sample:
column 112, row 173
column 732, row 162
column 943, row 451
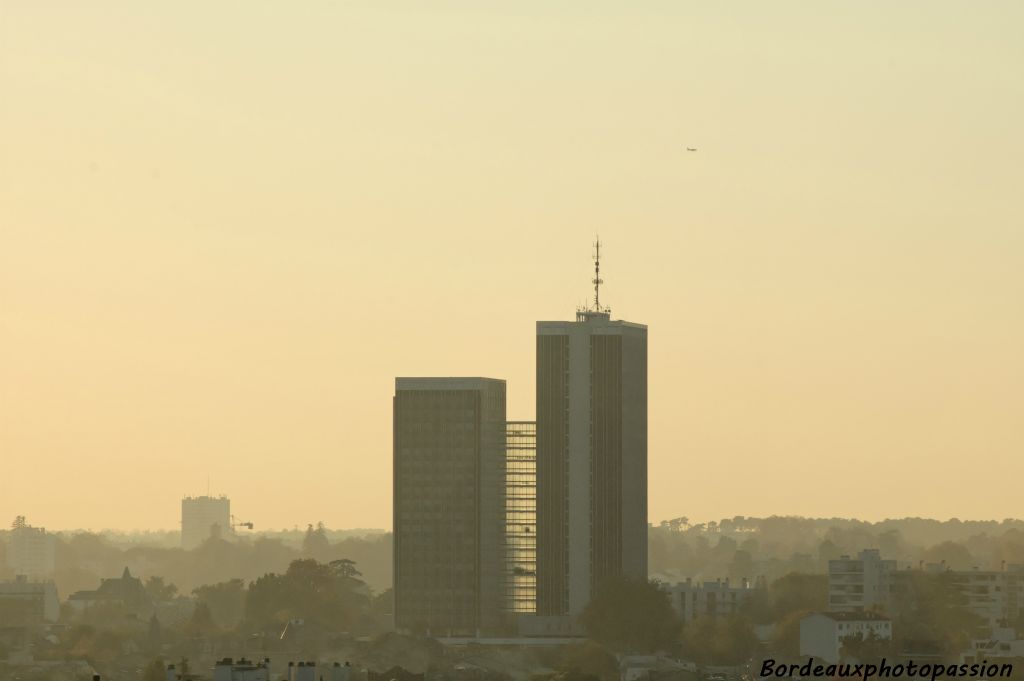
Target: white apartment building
column 26, row 602
column 822, row 634
column 861, row 583
column 240, row 670
column 308, row 671
column 692, row 600
column 1002, row 644
column 995, row 596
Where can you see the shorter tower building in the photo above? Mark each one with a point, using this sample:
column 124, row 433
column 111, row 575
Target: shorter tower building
column 204, row 517
column 449, row 505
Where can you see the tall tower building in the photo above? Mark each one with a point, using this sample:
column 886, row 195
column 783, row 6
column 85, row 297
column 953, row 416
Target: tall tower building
column 591, row 455
column 449, row 505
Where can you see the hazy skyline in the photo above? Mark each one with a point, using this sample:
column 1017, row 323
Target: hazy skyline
column 225, row 228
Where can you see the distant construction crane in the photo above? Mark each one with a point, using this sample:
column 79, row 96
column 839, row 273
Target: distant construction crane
column 236, row 524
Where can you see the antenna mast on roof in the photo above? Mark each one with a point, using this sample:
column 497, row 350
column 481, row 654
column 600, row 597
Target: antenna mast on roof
column 597, row 281
column 585, row 312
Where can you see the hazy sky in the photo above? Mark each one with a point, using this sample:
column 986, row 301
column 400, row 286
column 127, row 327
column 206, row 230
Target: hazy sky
column 226, row 226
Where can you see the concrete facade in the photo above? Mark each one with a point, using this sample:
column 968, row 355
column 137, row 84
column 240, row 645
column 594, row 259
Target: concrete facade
column 30, row 550
column 1003, row 643
column 449, row 505
column 692, row 600
column 203, row 517
column 822, row 634
column 861, row 583
column 591, row 458
column 994, row 596
column 24, row 602
column 236, row 670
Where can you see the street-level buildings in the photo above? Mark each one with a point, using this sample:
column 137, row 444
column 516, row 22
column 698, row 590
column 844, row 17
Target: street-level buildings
column 125, row 592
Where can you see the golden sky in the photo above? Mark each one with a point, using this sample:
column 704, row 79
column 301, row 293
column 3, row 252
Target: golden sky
column 226, row 226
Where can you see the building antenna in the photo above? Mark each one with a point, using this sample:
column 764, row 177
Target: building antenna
column 597, row 276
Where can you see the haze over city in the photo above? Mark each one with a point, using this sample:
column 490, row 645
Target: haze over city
column 225, row 230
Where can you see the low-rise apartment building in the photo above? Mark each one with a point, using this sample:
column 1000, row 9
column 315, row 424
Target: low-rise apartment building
column 860, row 584
column 822, row 634
column 720, row 598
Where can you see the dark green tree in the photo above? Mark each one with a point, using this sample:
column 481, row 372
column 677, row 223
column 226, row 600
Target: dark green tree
column 154, row 671
column 325, row 594
column 316, row 544
column 226, row 601
column 929, row 609
column 867, row 649
column 589, row 659
column 159, row 590
column 384, row 602
column 154, row 634
column 797, row 592
column 345, row 568
column 787, row 632
column 201, row 623
column 631, row 616
column 725, row 641
column 955, row 556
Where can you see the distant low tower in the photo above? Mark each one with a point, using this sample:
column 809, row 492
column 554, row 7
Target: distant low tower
column 30, row 550
column 204, row 517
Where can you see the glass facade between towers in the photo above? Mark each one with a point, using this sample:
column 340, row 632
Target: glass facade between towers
column 521, row 516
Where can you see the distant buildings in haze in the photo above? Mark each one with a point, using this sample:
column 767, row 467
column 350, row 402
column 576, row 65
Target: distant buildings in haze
column 822, row 634
column 126, row 591
column 995, row 597
column 204, row 517
column 30, row 550
column 868, row 583
column 693, row 600
column 861, row 583
column 27, row 603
